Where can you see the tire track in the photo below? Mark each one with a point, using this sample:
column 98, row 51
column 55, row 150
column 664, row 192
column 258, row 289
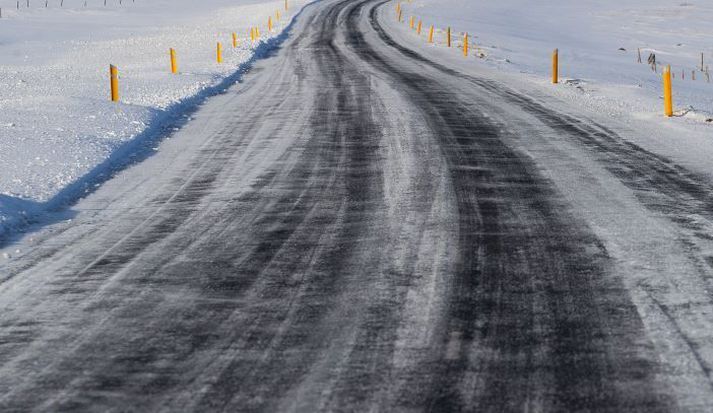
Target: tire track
column 665, row 188
column 532, row 298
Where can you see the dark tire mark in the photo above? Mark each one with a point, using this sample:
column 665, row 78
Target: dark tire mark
column 532, row 290
column 664, row 187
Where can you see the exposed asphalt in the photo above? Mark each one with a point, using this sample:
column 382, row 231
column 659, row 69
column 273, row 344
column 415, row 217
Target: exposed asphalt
column 351, row 229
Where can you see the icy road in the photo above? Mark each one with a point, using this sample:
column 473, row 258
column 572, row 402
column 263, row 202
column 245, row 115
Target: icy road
column 360, row 227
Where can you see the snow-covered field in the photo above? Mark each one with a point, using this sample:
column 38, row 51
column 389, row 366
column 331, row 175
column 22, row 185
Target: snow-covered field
column 58, row 130
column 597, row 42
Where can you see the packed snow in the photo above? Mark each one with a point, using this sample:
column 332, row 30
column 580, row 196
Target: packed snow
column 662, row 257
column 58, row 127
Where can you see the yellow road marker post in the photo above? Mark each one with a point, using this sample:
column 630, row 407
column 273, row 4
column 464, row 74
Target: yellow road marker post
column 448, row 39
column 430, row 34
column 219, row 53
column 555, row 66
column 418, row 28
column 465, row 45
column 174, row 65
column 667, row 95
column 114, row 81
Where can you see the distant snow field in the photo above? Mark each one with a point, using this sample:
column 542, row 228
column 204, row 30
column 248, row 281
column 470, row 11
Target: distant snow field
column 597, row 42
column 56, row 121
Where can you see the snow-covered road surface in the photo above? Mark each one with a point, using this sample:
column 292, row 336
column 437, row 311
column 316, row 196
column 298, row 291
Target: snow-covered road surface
column 360, row 227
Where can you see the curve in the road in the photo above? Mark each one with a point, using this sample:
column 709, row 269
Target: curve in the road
column 393, row 251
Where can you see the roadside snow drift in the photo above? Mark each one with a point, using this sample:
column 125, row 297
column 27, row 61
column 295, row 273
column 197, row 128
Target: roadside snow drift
column 57, row 125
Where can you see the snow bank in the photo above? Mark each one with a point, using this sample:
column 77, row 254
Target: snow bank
column 58, row 130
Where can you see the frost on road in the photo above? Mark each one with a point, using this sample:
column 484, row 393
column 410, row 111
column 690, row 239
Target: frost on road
column 360, row 227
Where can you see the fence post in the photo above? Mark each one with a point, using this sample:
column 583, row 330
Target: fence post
column 448, row 41
column 555, row 66
column 114, row 80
